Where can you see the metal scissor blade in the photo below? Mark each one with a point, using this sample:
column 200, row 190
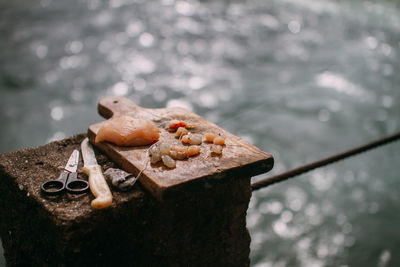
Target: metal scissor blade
column 73, row 162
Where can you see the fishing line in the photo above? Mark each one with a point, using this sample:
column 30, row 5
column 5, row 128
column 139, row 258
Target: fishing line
column 257, row 108
column 322, row 162
column 313, row 165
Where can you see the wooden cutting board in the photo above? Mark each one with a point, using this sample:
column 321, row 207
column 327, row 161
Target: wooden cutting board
column 239, row 158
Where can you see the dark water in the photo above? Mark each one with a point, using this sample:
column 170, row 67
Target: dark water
column 299, row 79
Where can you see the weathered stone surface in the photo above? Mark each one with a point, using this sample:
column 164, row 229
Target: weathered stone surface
column 205, row 224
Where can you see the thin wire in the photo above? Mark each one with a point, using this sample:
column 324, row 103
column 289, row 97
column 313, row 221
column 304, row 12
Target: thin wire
column 319, row 163
column 255, row 109
column 147, row 161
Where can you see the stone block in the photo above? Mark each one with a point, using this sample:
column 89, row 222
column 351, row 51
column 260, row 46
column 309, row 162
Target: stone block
column 203, row 224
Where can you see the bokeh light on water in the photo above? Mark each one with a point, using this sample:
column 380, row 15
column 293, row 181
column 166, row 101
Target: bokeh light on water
column 300, row 79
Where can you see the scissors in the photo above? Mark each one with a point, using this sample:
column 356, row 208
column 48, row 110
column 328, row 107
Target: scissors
column 68, row 179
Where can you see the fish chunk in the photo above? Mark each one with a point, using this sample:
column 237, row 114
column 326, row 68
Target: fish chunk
column 128, row 131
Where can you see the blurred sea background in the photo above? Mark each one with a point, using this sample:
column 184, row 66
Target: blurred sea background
column 300, row 79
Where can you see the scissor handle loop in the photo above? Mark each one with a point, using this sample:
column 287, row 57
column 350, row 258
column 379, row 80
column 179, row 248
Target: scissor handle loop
column 53, row 187
column 66, row 180
column 77, row 186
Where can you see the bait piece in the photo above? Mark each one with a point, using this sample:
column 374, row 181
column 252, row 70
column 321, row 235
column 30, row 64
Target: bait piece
column 217, row 149
column 209, row 137
column 219, row 140
column 164, row 148
column 181, row 132
column 175, row 124
column 168, row 161
column 193, row 151
column 154, row 153
column 192, row 139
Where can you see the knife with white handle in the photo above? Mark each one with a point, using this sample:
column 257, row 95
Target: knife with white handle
column 97, row 183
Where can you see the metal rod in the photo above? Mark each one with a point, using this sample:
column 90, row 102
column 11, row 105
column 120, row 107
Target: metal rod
column 319, row 163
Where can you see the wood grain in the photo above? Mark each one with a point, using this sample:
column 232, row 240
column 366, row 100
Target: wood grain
column 239, row 158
